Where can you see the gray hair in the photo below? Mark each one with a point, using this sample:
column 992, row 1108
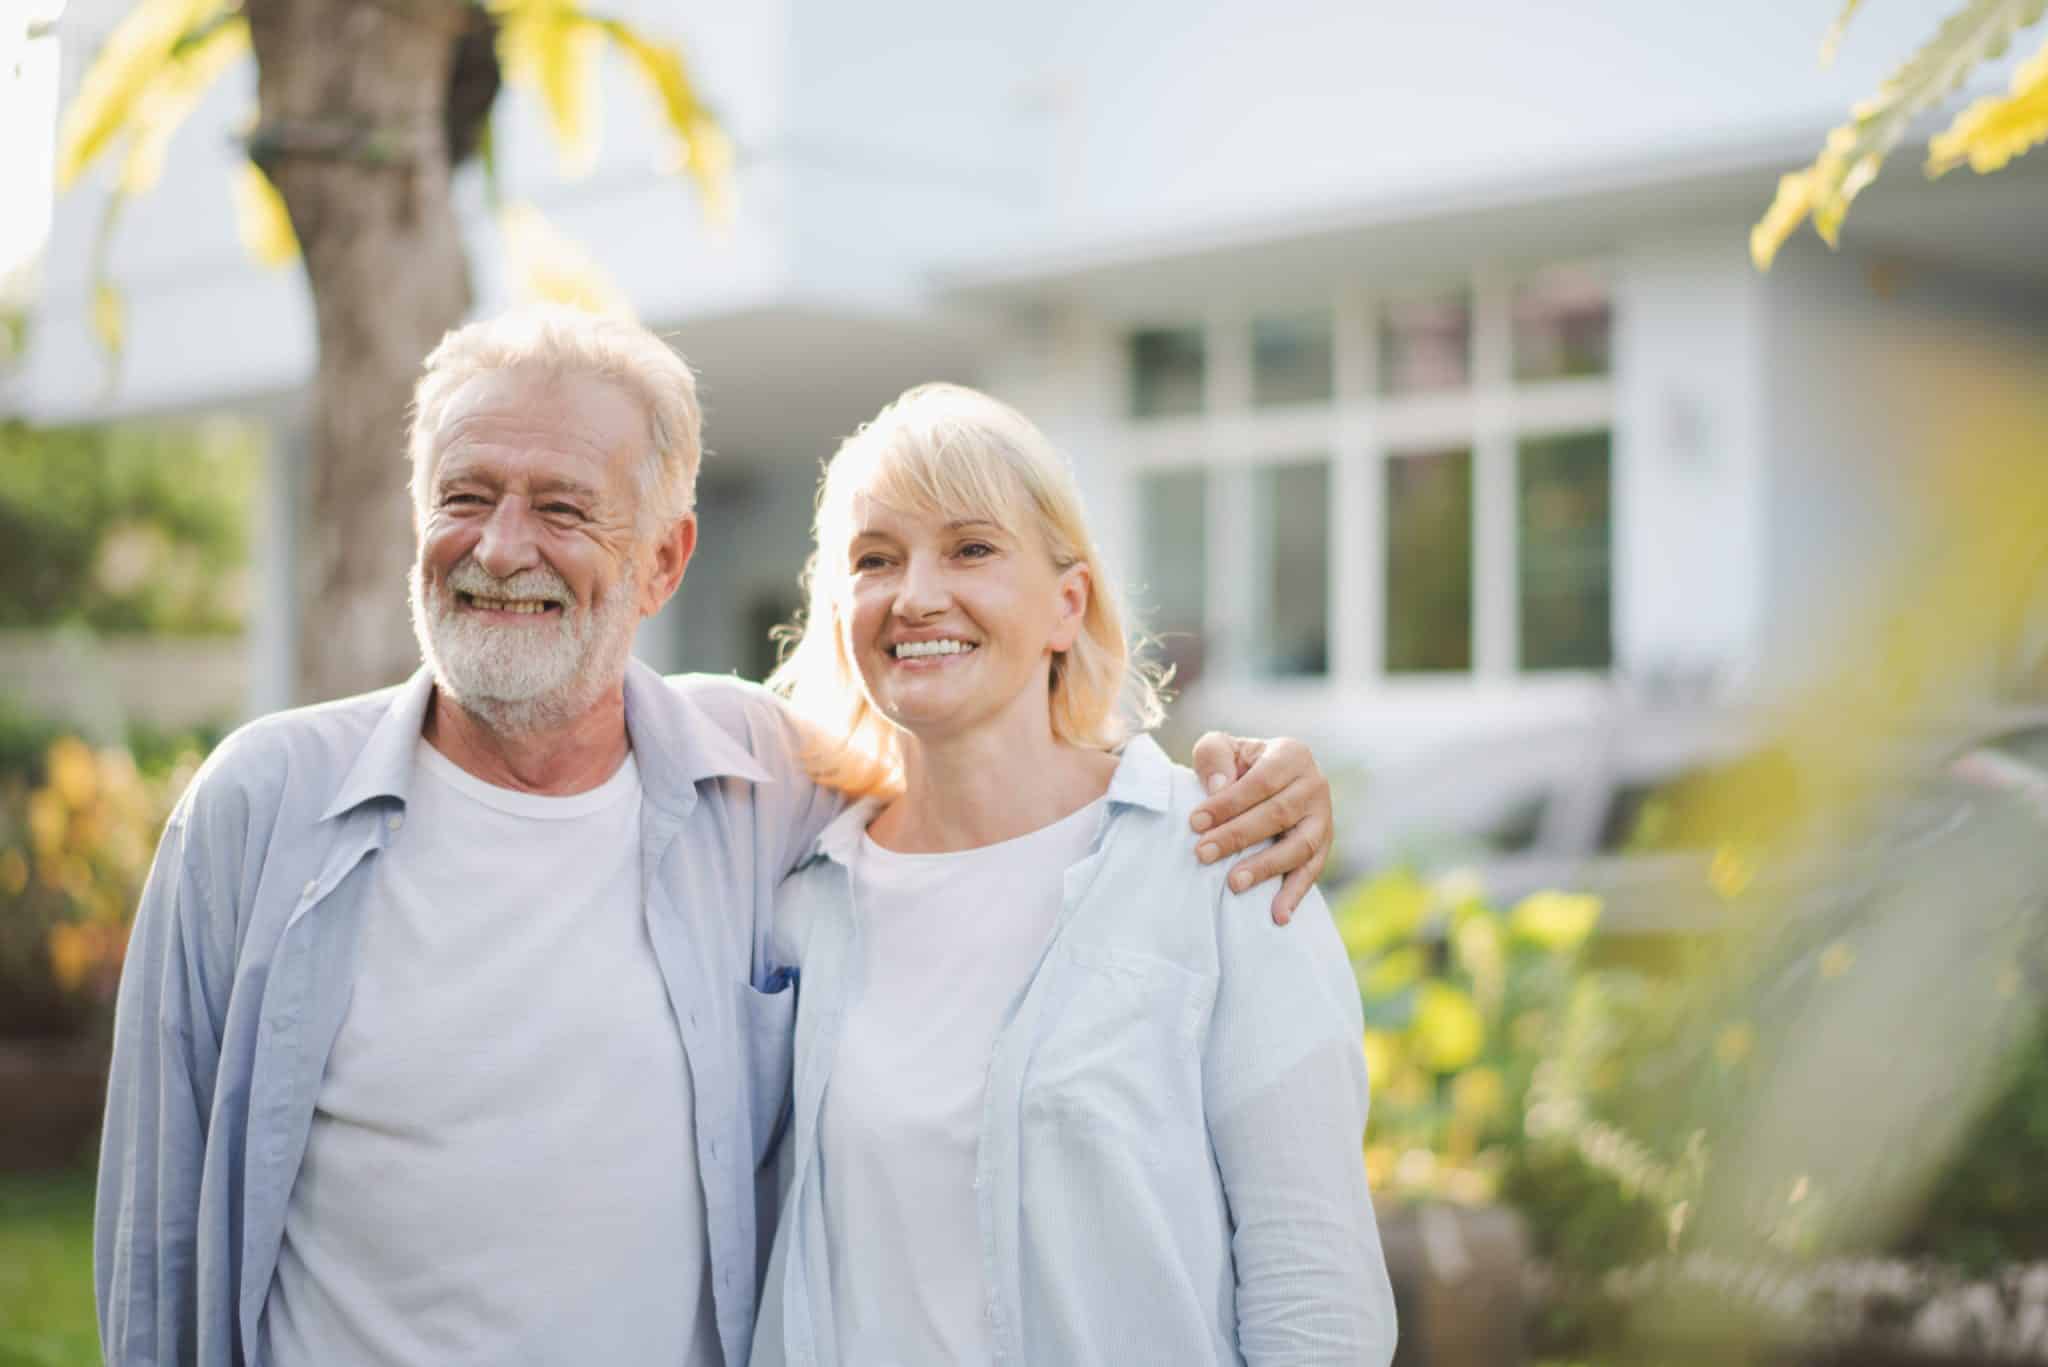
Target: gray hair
column 565, row 342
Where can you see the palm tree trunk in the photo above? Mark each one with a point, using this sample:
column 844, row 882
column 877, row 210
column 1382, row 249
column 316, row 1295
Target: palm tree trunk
column 352, row 97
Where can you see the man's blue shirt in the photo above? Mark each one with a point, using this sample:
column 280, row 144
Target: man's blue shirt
column 241, row 965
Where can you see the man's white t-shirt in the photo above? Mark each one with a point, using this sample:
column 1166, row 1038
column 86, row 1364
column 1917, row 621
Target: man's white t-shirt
column 502, row 1165
column 949, row 942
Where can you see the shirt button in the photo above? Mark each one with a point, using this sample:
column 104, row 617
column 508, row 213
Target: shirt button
column 394, row 821
column 307, row 891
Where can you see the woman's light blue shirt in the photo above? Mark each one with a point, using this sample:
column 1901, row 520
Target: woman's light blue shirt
column 1170, row 1162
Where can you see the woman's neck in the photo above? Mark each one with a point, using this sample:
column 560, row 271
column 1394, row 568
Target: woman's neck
column 988, row 785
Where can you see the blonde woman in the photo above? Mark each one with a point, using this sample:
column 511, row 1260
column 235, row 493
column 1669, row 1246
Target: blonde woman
column 1059, row 1098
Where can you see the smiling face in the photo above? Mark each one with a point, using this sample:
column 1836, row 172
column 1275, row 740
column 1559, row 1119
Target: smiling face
column 953, row 621
column 534, row 569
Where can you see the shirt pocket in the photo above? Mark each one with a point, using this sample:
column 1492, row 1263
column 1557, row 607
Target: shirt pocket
column 1120, row 1056
column 767, row 1029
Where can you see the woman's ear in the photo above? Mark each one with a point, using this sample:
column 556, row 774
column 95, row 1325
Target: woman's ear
column 1074, row 589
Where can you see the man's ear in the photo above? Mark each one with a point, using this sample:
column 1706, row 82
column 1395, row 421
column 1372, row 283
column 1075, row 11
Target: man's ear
column 672, row 551
column 1075, row 588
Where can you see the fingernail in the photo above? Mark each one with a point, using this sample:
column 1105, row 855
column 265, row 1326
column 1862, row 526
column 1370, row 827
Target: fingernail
column 1240, row 880
column 1281, row 918
column 1202, row 821
column 1215, row 783
column 1207, row 852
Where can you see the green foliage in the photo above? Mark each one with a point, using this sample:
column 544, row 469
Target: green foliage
column 126, row 528
column 46, row 1311
column 1988, row 135
column 1461, row 1002
column 1990, row 1207
column 165, row 55
column 78, row 829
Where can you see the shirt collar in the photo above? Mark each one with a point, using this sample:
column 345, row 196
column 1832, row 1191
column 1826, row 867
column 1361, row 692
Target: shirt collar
column 676, row 744
column 1143, row 778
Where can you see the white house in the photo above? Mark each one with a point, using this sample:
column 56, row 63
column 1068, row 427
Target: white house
column 1411, row 355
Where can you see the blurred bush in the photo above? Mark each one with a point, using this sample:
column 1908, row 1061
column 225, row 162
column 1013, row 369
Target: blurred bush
column 78, row 828
column 127, row 528
column 1717, row 1126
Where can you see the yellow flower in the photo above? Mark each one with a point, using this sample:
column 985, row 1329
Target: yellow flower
column 1730, row 872
column 1479, row 1094
column 1558, row 921
column 1381, row 911
column 1448, row 1030
column 74, row 776
column 72, row 953
column 1382, row 1056
column 47, row 821
column 1734, row 1044
column 1393, row 972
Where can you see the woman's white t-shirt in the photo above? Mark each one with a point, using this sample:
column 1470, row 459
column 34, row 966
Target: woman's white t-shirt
column 950, row 941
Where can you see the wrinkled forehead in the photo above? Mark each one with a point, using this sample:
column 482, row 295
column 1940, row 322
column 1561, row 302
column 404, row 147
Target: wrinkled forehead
column 527, row 424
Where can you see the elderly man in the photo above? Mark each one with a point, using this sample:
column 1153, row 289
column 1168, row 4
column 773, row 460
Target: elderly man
column 447, row 1033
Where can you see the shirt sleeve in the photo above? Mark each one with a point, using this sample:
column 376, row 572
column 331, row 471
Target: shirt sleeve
column 159, row 1096
column 1286, row 1095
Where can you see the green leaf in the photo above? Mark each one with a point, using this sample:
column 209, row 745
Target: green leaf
column 1855, row 152
column 1993, row 131
column 196, row 62
column 133, row 57
column 1833, row 42
column 1394, row 972
column 261, row 219
column 705, row 152
column 548, row 266
column 552, row 49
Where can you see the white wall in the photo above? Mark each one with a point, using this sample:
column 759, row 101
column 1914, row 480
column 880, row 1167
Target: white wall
column 1879, row 372
column 1690, row 576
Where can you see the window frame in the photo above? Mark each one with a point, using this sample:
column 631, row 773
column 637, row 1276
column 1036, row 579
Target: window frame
column 1359, row 430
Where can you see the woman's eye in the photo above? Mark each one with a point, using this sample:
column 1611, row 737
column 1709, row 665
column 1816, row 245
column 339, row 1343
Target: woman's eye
column 462, row 501
column 976, row 550
column 868, row 562
column 561, row 510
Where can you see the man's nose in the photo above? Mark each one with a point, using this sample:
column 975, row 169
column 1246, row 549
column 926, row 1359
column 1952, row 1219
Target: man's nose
column 509, row 542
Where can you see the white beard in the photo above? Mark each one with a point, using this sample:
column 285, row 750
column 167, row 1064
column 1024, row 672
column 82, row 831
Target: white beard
column 522, row 679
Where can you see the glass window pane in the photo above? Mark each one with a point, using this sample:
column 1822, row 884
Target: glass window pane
column 1292, row 633
column 1429, row 561
column 1292, row 360
column 1565, row 524
column 1166, row 372
column 1175, row 536
column 1563, row 326
column 1425, row 343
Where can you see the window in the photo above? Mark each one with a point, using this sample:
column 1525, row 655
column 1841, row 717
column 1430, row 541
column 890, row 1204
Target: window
column 1175, row 539
column 1562, row 326
column 1429, row 561
column 1292, row 360
column 1563, row 552
column 1166, row 372
column 1412, row 476
column 1425, row 343
column 1291, row 630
